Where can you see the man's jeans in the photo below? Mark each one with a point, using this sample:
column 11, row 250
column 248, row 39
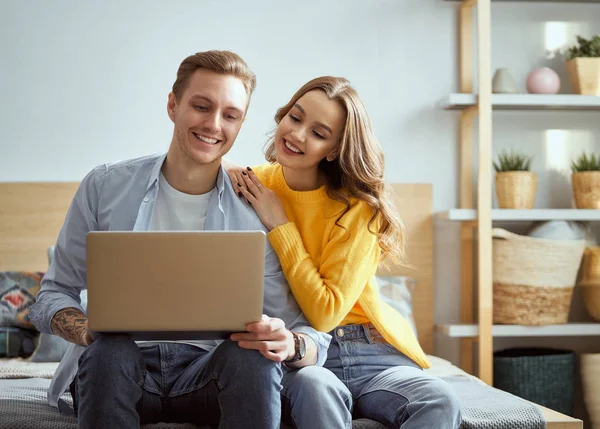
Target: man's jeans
column 386, row 385
column 121, row 385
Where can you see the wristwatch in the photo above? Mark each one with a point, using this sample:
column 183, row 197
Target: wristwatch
column 300, row 346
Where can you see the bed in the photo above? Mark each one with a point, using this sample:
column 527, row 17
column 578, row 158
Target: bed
column 32, row 213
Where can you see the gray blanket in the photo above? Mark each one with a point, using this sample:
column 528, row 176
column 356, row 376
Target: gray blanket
column 23, row 405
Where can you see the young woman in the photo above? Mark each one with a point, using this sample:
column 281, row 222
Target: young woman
column 322, row 197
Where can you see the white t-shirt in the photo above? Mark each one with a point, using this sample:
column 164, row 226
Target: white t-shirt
column 176, row 211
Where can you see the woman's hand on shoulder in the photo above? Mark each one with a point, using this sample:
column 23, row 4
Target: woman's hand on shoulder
column 266, row 203
column 235, row 174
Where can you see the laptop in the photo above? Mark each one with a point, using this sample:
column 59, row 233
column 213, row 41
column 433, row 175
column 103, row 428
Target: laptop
column 174, row 285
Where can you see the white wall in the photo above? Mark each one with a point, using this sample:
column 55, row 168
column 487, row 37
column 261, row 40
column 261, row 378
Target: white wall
column 86, row 82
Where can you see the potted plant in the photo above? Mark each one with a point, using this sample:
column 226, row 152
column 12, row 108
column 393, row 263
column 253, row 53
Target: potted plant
column 586, row 181
column 515, row 184
column 583, row 65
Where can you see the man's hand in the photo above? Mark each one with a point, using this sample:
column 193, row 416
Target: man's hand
column 269, row 337
column 72, row 325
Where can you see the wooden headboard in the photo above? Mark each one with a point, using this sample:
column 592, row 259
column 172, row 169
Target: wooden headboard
column 31, row 215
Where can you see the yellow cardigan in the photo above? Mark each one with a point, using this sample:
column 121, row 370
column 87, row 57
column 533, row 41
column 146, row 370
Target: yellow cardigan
column 330, row 269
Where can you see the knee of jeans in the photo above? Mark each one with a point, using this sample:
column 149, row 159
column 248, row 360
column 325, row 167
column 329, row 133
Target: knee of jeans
column 319, row 382
column 250, row 361
column 443, row 397
column 108, row 349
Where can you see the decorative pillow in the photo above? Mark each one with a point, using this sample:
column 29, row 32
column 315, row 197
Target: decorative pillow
column 397, row 292
column 17, row 294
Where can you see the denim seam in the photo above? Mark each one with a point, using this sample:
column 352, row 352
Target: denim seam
column 196, row 387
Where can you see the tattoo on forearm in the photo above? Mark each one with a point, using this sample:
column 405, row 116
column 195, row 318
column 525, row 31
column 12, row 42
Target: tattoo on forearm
column 69, row 324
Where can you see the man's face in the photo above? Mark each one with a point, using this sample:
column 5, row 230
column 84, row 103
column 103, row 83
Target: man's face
column 208, row 116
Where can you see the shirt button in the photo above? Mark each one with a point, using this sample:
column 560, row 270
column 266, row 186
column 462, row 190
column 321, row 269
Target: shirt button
column 146, row 199
column 340, row 332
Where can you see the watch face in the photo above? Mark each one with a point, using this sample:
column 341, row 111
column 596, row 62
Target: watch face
column 301, row 347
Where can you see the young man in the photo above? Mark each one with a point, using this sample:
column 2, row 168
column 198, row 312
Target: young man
column 237, row 383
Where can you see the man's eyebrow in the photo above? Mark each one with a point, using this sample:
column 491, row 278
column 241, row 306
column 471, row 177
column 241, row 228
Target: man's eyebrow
column 202, row 97
column 320, row 124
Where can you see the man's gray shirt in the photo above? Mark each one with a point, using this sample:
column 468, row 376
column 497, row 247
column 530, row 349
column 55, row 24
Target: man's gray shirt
column 121, row 197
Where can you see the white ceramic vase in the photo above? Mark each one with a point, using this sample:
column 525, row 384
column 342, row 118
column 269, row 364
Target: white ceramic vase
column 503, row 82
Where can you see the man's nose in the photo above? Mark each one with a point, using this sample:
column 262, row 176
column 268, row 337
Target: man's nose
column 212, row 122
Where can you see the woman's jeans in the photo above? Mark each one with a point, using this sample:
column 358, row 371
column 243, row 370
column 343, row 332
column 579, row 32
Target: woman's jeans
column 386, row 385
column 123, row 385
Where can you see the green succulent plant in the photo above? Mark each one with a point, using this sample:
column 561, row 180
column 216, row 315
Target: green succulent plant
column 512, row 161
column 585, row 162
column 585, row 48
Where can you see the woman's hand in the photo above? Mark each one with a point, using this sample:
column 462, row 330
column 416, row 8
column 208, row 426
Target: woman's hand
column 266, row 203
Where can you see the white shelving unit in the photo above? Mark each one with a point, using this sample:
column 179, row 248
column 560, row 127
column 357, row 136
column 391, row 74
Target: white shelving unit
column 510, row 215
column 462, row 330
column 525, row 102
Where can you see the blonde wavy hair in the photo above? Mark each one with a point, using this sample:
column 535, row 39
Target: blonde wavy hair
column 358, row 170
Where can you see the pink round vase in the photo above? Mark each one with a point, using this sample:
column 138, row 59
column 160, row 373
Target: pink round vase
column 543, row 81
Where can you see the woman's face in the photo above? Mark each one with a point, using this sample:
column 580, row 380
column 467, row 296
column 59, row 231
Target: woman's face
column 309, row 132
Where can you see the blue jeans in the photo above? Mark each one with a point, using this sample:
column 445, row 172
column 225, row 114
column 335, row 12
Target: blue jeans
column 387, row 386
column 122, row 385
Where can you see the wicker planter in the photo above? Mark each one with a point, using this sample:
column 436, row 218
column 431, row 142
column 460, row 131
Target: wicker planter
column 516, row 189
column 584, row 75
column 590, row 374
column 533, row 278
column 586, row 189
column 543, row 376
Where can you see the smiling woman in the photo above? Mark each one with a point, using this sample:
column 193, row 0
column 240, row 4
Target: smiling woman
column 331, row 222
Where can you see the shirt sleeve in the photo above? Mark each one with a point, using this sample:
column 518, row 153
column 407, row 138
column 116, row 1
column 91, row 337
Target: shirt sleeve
column 66, row 276
column 350, row 258
column 286, row 307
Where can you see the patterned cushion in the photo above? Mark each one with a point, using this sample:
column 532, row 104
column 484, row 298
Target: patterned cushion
column 17, row 294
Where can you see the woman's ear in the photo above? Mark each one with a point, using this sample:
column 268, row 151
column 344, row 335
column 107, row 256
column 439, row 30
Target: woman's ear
column 333, row 155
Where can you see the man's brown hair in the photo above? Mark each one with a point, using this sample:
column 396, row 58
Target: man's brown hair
column 223, row 62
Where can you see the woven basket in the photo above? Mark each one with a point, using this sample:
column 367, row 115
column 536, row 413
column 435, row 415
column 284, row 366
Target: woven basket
column 533, row 278
column 590, row 374
column 586, row 189
column 544, row 376
column 516, row 189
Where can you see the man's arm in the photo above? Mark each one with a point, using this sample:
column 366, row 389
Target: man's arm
column 72, row 325
column 65, row 279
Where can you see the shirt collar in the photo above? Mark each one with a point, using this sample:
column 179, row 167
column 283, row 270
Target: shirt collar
column 155, row 174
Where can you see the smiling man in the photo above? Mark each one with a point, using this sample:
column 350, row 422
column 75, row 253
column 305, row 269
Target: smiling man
column 252, row 380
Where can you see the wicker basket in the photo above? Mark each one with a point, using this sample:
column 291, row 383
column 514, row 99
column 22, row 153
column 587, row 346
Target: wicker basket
column 590, row 374
column 586, row 189
column 533, row 278
column 544, row 376
column 516, row 189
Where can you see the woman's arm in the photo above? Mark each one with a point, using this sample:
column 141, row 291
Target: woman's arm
column 349, row 260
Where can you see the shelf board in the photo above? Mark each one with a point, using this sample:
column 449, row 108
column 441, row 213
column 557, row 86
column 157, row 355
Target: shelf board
column 511, row 215
column 460, row 101
column 460, row 330
column 535, row 1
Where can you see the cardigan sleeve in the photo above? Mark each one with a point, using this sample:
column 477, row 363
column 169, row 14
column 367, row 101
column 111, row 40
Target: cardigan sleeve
column 327, row 293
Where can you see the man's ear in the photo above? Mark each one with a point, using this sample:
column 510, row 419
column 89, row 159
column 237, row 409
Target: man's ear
column 171, row 106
